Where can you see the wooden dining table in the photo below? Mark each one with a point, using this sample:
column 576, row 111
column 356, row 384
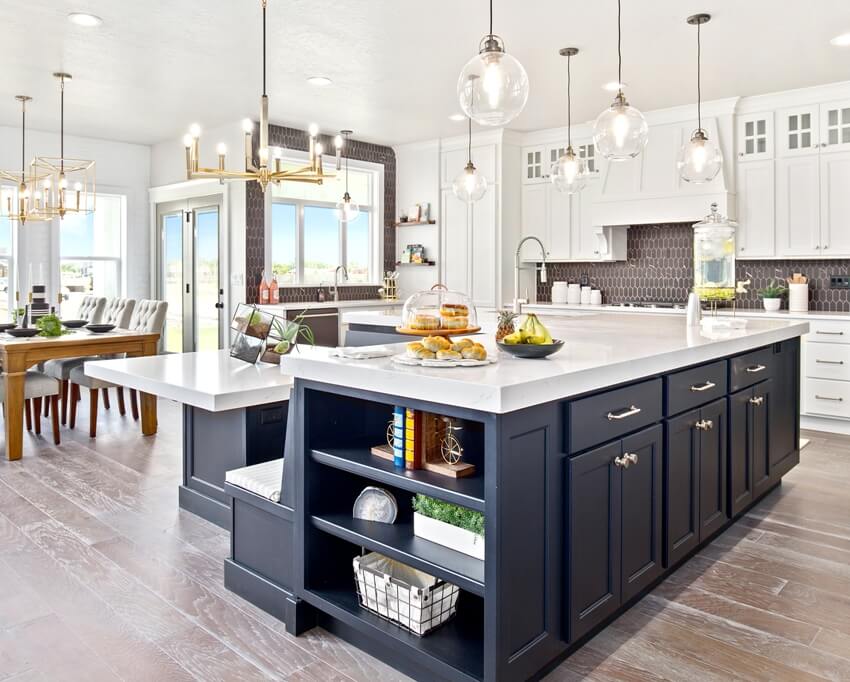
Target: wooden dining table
column 17, row 355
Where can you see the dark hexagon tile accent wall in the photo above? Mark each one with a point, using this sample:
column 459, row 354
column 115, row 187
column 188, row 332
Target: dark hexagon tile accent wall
column 292, row 138
column 659, row 267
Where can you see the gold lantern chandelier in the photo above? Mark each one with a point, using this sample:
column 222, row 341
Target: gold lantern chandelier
column 22, row 194
column 67, row 185
column 259, row 170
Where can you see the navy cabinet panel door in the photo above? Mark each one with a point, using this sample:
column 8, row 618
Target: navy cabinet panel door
column 785, row 432
column 594, row 538
column 641, row 511
column 712, row 457
column 761, row 417
column 681, row 487
column 740, row 455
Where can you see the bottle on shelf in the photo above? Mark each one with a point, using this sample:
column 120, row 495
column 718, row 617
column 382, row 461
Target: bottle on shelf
column 274, row 292
column 264, row 289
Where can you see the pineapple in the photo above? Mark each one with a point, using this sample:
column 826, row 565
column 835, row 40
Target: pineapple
column 506, row 324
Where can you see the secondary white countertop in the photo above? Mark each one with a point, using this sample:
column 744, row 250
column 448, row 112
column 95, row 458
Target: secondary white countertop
column 210, row 380
column 749, row 313
column 342, row 305
column 601, row 350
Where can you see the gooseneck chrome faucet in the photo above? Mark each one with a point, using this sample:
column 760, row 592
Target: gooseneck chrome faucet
column 336, row 279
column 517, row 300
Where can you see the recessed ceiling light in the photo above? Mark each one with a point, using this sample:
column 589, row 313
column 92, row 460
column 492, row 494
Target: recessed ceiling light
column 841, row 41
column 457, row 117
column 319, row 81
column 614, row 86
column 84, row 19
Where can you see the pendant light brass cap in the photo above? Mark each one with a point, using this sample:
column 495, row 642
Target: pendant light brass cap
column 63, row 75
column 698, row 19
column 568, row 51
column 23, row 98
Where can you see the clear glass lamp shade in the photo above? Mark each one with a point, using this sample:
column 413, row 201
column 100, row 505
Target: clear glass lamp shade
column 347, row 210
column 569, row 173
column 620, row 132
column 492, row 88
column 699, row 159
column 469, row 185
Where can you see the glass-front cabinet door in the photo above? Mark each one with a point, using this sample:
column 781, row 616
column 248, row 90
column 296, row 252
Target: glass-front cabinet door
column 755, row 137
column 798, row 131
column 533, row 165
column 835, row 125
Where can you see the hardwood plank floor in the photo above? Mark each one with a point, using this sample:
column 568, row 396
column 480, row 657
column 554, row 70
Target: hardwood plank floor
column 104, row 578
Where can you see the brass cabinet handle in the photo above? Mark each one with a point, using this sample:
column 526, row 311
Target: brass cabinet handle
column 704, row 425
column 756, row 368
column 822, row 333
column 630, row 412
column 704, row 387
column 829, row 362
column 631, row 458
column 826, row 397
column 757, row 400
column 621, row 462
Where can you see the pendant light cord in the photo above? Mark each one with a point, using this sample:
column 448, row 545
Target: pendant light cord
column 569, row 106
column 346, row 164
column 264, row 48
column 619, row 45
column 491, row 17
column 62, row 123
column 699, row 79
column 469, row 140
column 23, row 141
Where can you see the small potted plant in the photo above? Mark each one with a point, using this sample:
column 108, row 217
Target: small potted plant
column 772, row 295
column 450, row 525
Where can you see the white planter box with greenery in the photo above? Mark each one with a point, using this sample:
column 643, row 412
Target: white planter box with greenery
column 449, row 525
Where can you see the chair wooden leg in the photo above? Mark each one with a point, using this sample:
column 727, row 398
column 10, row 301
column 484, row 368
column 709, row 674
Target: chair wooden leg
column 28, row 414
column 54, row 417
column 122, row 410
column 65, row 394
column 72, row 393
column 36, row 414
column 46, row 408
column 134, row 404
column 93, row 412
column 106, row 398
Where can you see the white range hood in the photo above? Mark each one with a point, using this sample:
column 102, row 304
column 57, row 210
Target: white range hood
column 648, row 189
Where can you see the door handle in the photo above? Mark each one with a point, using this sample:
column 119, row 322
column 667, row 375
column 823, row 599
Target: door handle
column 757, row 400
column 630, row 412
column 704, row 387
column 826, row 397
column 756, row 368
column 622, row 462
column 704, row 425
column 822, row 333
column 187, row 287
column 631, row 458
column 829, row 362
column 219, row 305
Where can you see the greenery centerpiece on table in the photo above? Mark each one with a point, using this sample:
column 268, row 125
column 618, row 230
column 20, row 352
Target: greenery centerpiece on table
column 50, row 325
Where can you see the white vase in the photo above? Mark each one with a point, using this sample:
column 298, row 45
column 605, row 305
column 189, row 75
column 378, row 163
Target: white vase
column 447, row 535
column 771, row 305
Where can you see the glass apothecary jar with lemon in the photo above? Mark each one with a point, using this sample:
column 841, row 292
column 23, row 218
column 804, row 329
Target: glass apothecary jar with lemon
column 714, row 258
column 438, row 312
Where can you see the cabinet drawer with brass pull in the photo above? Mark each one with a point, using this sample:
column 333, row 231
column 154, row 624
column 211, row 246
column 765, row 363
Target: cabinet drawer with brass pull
column 827, row 361
column 693, row 387
column 751, row 368
column 829, row 331
column 827, row 398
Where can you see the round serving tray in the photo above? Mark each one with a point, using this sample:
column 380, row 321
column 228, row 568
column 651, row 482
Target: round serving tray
column 437, row 332
column 433, row 362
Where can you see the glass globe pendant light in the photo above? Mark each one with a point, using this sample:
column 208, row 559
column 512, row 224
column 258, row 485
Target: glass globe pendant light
column 699, row 159
column 493, row 85
column 569, row 172
column 469, row 185
column 620, row 132
column 346, row 209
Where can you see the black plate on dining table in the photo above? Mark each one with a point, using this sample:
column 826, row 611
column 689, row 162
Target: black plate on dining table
column 74, row 324
column 22, row 332
column 100, row 328
column 6, row 326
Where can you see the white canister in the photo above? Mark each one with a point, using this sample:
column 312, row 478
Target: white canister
column 574, row 294
column 595, row 297
column 559, row 292
column 585, row 295
column 798, row 297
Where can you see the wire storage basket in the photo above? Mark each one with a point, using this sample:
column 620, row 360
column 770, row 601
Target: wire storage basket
column 416, row 601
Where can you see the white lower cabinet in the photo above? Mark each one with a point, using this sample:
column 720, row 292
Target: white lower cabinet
column 826, row 398
column 825, row 380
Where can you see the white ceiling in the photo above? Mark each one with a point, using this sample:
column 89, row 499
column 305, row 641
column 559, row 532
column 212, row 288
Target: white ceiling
column 155, row 66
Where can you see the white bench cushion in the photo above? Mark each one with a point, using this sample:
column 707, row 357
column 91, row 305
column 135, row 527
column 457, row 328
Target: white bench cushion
column 261, row 479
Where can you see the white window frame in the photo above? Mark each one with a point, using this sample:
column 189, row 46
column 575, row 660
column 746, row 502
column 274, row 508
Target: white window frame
column 375, row 208
column 12, row 259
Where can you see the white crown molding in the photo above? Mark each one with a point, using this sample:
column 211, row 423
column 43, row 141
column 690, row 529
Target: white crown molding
column 423, row 145
column 479, row 138
column 794, row 98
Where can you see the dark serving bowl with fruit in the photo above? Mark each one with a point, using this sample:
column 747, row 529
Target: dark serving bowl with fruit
column 531, row 341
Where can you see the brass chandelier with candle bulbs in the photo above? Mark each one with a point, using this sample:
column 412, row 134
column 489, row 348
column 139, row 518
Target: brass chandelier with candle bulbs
column 260, row 169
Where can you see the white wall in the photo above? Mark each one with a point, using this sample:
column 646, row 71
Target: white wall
column 120, row 169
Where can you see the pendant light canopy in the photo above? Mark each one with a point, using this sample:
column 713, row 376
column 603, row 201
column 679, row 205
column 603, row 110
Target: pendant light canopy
column 493, row 85
column 23, row 196
column 469, row 185
column 70, row 183
column 569, row 172
column 699, row 159
column 346, row 209
column 620, row 132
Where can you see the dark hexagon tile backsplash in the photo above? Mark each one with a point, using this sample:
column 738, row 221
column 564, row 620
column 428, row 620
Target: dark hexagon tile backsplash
column 659, row 267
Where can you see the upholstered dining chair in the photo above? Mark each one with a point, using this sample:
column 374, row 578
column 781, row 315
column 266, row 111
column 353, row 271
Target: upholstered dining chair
column 37, row 387
column 148, row 316
column 92, row 309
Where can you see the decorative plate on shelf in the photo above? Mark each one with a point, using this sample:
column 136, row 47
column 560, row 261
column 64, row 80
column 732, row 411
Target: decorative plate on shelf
column 375, row 504
column 417, row 362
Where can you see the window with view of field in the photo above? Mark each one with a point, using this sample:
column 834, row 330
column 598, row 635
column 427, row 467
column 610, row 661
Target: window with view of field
column 90, row 251
column 308, row 241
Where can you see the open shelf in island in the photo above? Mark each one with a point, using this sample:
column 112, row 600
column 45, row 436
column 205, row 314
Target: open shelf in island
column 467, row 492
column 397, row 541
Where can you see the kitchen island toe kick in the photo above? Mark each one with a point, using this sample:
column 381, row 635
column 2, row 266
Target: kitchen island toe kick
column 598, row 471
column 234, row 415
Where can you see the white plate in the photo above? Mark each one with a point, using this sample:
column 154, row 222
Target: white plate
column 416, row 362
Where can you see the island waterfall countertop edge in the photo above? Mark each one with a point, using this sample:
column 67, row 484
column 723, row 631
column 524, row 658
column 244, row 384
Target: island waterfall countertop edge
column 600, row 351
column 210, row 380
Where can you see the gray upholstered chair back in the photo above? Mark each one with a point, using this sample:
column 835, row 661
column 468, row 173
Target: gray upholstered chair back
column 118, row 312
column 91, row 308
column 148, row 316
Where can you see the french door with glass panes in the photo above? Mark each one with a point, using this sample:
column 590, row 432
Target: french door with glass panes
column 189, row 276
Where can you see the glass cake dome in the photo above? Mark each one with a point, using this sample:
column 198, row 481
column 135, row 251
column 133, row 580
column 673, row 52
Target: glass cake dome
column 439, row 312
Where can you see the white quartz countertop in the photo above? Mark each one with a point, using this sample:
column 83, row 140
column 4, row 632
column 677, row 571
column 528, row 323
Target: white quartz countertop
column 342, row 305
column 601, row 350
column 210, row 380
column 749, row 313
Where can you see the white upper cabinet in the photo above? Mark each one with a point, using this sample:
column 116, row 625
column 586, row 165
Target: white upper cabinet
column 584, row 234
column 559, row 226
column 483, row 285
column 798, row 205
column 454, row 161
column 535, row 218
column 455, row 228
column 797, row 131
column 755, row 136
column 756, row 224
column 835, row 125
column 835, row 204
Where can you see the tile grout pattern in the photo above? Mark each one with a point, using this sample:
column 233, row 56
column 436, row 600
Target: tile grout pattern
column 659, row 267
column 292, row 138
